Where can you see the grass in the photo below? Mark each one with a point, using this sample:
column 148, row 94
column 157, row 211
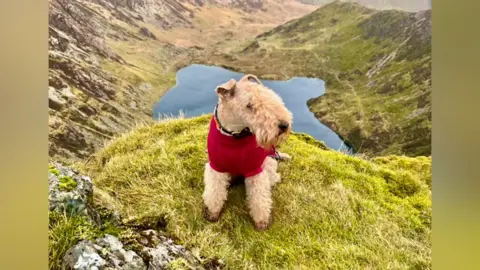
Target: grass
column 179, row 264
column 64, row 232
column 147, row 64
column 330, row 211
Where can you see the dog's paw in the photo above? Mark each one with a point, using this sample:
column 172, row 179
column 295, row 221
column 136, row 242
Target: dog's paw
column 276, row 178
column 212, row 217
column 262, row 225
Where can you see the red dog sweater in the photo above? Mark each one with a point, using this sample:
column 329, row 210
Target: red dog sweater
column 237, row 156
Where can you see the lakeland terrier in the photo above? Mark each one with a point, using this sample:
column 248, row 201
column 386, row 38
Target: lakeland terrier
column 248, row 122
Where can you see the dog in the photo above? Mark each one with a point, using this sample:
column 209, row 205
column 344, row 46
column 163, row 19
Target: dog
column 248, row 122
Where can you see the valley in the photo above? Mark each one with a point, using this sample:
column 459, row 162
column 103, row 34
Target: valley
column 110, row 61
column 376, row 65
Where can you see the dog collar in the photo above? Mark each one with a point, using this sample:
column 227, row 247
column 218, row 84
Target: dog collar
column 236, row 134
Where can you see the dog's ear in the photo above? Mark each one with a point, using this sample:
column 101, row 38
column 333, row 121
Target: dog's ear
column 249, row 77
column 227, row 89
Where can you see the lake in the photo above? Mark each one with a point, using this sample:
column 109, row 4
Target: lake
column 194, row 95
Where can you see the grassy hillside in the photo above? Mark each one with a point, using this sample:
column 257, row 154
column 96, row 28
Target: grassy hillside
column 407, row 5
column 377, row 68
column 331, row 210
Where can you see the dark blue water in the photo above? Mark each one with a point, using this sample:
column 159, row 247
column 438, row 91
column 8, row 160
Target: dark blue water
column 194, row 95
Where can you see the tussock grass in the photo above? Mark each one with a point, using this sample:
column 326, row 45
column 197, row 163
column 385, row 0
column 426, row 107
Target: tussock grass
column 331, row 210
column 64, row 232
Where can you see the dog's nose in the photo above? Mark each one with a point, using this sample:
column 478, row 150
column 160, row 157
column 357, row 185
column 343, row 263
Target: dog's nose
column 283, row 126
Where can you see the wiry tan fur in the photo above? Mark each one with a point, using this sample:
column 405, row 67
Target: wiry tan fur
column 249, row 104
column 215, row 193
column 267, row 110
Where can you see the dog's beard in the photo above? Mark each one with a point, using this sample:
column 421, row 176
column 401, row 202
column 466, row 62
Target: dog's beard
column 270, row 138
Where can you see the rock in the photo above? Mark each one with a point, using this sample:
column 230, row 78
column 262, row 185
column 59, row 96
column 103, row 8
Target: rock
column 105, row 253
column 58, row 40
column 145, row 86
column 119, row 257
column 145, row 32
column 78, row 116
column 108, row 252
column 72, row 139
column 83, row 256
column 68, row 191
column 162, row 251
column 67, row 93
column 55, row 101
column 133, row 105
column 87, row 109
column 92, row 80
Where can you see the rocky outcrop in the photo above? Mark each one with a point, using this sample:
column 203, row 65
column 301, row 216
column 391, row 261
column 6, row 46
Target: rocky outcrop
column 70, row 192
column 248, row 5
column 80, row 24
column 78, row 84
column 146, row 33
column 104, row 253
column 160, row 251
column 163, row 14
column 108, row 252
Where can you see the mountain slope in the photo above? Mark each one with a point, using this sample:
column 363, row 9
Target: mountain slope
column 407, row 5
column 331, row 210
column 377, row 68
column 111, row 60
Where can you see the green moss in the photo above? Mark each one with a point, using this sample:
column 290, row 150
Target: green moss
column 422, row 166
column 147, row 222
column 329, row 209
column 402, row 184
column 178, row 264
column 54, row 171
column 67, row 183
column 129, row 237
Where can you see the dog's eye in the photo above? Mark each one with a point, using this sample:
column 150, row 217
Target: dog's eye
column 249, row 106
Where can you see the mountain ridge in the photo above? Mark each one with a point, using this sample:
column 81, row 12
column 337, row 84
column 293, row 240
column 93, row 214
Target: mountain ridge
column 409, row 5
column 377, row 68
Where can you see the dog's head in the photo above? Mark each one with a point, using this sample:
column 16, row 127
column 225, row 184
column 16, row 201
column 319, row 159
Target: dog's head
column 251, row 104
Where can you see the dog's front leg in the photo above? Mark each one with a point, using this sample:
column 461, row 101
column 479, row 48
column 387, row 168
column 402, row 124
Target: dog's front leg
column 259, row 199
column 270, row 166
column 215, row 193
